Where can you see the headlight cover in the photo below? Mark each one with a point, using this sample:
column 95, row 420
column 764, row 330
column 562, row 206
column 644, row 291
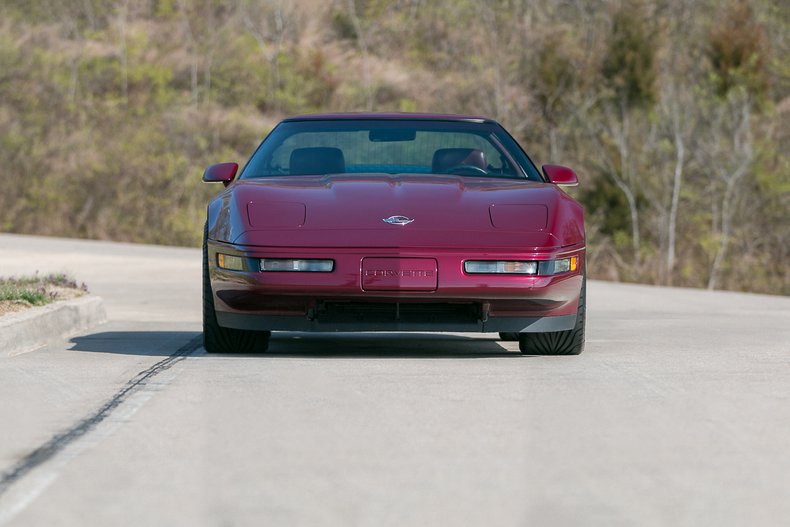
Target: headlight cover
column 500, row 267
column 525, row 267
column 299, row 265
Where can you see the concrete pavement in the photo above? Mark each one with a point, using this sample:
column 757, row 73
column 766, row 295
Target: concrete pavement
column 677, row 413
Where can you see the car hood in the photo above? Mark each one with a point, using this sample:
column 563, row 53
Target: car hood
column 350, row 211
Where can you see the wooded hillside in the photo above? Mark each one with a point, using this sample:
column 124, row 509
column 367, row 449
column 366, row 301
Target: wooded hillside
column 674, row 113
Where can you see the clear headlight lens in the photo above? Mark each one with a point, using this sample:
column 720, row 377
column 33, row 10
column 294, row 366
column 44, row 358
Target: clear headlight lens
column 287, row 264
column 500, row 267
column 542, row 267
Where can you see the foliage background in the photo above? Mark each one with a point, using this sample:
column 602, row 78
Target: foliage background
column 675, row 113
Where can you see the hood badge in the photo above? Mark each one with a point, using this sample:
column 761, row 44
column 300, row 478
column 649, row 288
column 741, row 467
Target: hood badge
column 398, row 220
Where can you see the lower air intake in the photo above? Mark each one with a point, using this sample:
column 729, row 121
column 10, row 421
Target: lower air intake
column 398, row 312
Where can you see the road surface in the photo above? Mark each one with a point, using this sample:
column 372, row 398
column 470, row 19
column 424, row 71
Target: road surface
column 677, row 413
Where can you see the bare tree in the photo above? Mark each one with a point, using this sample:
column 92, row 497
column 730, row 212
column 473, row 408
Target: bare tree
column 628, row 73
column 362, row 39
column 270, row 25
column 730, row 161
column 679, row 111
column 123, row 14
column 677, row 181
column 189, row 34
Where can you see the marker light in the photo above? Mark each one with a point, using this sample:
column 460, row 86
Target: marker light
column 232, row 263
column 287, row 264
column 566, row 264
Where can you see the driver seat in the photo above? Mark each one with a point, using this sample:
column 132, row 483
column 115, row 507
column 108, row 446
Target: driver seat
column 446, row 158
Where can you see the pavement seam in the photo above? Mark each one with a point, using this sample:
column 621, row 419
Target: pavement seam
column 59, row 441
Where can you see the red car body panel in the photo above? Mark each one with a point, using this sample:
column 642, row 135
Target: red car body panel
column 343, row 211
column 418, row 266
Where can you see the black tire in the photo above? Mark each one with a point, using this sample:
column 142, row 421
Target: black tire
column 508, row 336
column 218, row 339
column 569, row 342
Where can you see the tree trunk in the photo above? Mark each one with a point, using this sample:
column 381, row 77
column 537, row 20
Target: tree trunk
column 363, row 47
column 742, row 147
column 677, row 181
column 622, row 182
column 124, row 56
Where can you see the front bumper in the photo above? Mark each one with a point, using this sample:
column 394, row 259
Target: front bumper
column 338, row 300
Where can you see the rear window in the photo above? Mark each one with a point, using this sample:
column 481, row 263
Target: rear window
column 298, row 148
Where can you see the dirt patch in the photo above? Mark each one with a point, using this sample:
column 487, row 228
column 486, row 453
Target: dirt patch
column 9, row 306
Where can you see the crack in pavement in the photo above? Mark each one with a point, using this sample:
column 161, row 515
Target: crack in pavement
column 58, row 442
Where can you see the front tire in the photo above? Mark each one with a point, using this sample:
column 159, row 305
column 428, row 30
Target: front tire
column 218, row 339
column 569, row 342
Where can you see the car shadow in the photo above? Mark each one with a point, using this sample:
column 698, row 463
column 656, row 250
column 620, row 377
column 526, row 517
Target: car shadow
column 150, row 343
column 304, row 345
column 386, row 345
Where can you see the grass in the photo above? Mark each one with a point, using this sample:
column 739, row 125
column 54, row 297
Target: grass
column 39, row 290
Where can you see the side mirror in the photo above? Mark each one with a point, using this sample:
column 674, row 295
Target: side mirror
column 222, row 172
column 560, row 175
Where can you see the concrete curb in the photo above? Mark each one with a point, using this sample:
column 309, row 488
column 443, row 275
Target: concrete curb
column 36, row 327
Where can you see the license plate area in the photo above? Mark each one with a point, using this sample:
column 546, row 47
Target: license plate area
column 399, row 274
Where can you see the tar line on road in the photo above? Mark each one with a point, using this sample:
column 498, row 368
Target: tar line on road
column 60, row 441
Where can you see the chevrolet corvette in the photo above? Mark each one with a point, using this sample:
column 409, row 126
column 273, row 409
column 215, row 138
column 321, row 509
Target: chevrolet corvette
column 393, row 222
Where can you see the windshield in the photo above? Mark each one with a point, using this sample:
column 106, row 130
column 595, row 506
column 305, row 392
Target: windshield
column 319, row 147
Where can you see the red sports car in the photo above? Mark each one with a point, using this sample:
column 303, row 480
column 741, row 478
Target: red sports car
column 393, row 222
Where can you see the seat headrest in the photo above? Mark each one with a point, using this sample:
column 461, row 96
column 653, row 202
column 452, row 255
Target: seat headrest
column 445, row 158
column 317, row 160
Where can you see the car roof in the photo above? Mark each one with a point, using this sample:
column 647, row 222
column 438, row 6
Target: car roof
column 400, row 116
